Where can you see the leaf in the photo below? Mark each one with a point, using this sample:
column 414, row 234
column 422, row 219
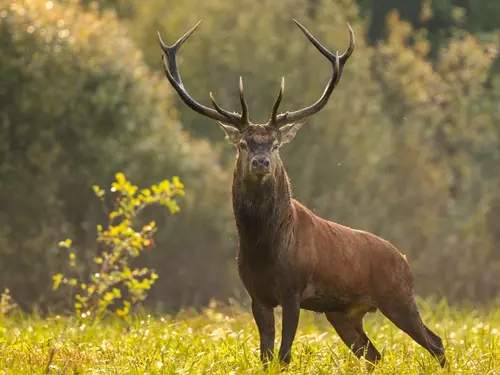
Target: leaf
column 66, row 243
column 57, row 281
column 98, row 191
column 120, row 178
column 177, row 183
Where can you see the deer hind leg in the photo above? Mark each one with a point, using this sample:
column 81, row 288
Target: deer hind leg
column 406, row 317
column 350, row 329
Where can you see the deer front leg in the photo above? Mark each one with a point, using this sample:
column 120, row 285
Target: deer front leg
column 291, row 313
column 264, row 318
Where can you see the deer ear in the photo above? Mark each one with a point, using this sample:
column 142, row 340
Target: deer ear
column 288, row 131
column 233, row 134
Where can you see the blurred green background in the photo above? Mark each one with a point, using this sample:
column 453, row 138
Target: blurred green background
column 408, row 147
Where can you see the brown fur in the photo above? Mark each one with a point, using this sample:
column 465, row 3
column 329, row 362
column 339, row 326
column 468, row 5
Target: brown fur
column 289, row 256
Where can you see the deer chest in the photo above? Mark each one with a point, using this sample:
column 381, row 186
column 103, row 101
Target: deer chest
column 267, row 281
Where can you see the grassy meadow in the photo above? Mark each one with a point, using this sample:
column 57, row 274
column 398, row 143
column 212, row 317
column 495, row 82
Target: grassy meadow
column 224, row 341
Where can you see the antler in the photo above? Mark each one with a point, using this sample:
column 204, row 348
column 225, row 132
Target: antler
column 172, row 73
column 338, row 63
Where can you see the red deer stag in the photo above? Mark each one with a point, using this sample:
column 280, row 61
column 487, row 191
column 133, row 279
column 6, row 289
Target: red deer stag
column 287, row 255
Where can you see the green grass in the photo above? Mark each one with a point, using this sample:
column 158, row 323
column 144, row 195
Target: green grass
column 225, row 341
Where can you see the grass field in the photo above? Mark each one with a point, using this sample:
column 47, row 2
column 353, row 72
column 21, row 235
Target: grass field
column 225, row 341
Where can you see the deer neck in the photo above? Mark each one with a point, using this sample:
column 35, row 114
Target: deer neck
column 262, row 210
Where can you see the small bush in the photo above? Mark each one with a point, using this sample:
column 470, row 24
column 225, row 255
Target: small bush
column 119, row 243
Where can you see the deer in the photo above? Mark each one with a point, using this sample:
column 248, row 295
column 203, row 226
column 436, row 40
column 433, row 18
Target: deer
column 288, row 256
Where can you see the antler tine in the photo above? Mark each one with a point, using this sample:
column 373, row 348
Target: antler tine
column 274, row 111
column 218, row 108
column 169, row 59
column 337, row 64
column 244, row 119
column 349, row 49
column 171, row 51
column 244, row 105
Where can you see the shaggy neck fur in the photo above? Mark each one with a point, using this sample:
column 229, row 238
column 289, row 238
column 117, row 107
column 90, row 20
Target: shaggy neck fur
column 262, row 210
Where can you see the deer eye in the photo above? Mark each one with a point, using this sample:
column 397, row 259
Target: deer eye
column 275, row 146
column 243, row 145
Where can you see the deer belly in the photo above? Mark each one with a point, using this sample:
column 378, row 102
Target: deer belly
column 323, row 301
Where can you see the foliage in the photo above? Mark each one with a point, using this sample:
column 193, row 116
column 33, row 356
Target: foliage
column 263, row 46
column 407, row 147
column 77, row 103
column 445, row 137
column 119, row 243
column 225, row 341
column 438, row 17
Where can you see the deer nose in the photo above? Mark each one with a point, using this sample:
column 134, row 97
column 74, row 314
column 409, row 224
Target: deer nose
column 260, row 163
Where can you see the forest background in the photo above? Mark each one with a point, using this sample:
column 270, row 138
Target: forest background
column 408, row 147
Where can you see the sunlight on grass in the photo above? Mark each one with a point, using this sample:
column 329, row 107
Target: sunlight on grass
column 225, row 341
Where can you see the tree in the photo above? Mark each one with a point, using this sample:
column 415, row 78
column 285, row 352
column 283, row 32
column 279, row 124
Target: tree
column 445, row 128
column 78, row 104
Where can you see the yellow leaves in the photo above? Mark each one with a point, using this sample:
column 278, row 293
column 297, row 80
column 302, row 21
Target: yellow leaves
column 123, row 186
column 135, row 202
column 125, row 311
column 178, row 184
column 66, row 243
column 131, row 190
column 148, row 228
column 91, row 289
column 120, row 182
column 171, row 205
column 110, row 296
column 128, row 200
column 72, row 259
column 158, row 189
column 127, row 273
column 121, row 312
column 98, row 191
column 423, row 47
column 57, row 281
column 121, row 243
column 399, row 30
column 465, row 61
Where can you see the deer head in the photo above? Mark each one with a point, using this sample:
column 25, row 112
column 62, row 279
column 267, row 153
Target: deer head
column 257, row 144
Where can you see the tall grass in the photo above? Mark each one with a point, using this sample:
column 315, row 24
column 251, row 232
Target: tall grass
column 224, row 341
